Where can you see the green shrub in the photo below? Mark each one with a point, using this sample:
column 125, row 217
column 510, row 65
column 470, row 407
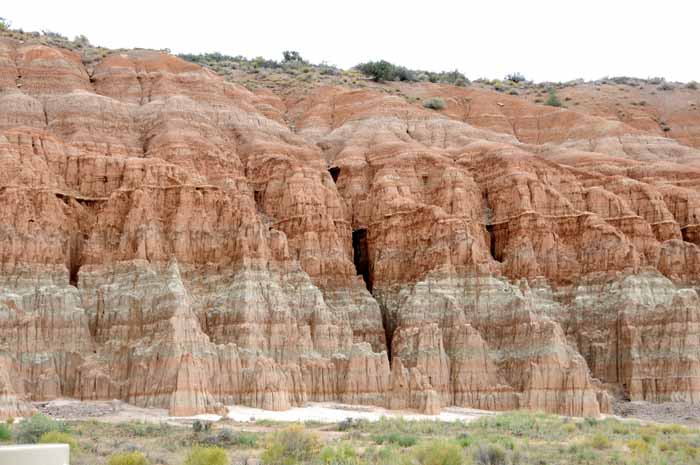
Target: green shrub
column 244, row 439
column 439, row 453
column 387, row 456
column 5, row 433
column 198, row 426
column 290, row 56
column 290, row 446
column 570, row 427
column 4, row 24
column 225, row 437
column 435, row 103
column 378, row 70
column 553, row 101
column 57, row 437
column 692, row 85
column 206, row 456
column 31, row 429
column 465, row 440
column 490, row 454
column 404, row 74
column 343, row 454
column 347, row 424
column 599, row 441
column 127, row 458
column 638, row 447
column 515, row 77
column 403, row 440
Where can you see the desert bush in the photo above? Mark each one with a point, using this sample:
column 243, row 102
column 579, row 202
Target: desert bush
column 435, row 103
column 5, row 433
column 553, row 100
column 665, row 86
column 402, row 73
column 290, row 446
column 599, row 441
column 465, row 440
column 128, row 458
column 387, row 456
column 638, row 447
column 439, row 453
column 4, row 24
column 31, row 429
column 343, row 454
column 57, row 437
column 400, row 439
column 454, row 77
column 291, row 56
column 515, row 77
column 347, row 424
column 490, row 454
column 692, row 85
column 378, row 70
column 206, row 456
column 226, row 437
column 199, row 426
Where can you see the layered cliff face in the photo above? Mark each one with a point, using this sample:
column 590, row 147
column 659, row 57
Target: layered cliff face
column 175, row 240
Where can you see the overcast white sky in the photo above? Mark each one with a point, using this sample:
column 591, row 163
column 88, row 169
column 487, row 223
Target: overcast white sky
column 545, row 40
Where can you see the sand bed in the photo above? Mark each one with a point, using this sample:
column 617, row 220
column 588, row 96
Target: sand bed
column 333, row 413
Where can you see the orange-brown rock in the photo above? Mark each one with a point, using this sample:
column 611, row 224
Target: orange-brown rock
column 172, row 239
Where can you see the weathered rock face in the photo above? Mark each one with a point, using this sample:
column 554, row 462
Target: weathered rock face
column 174, row 240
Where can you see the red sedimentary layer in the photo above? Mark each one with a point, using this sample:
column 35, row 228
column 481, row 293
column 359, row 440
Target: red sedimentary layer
column 175, row 240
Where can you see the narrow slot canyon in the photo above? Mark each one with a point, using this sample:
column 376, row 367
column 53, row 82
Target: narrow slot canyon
column 492, row 243
column 73, row 259
column 360, row 256
column 363, row 267
column 389, row 325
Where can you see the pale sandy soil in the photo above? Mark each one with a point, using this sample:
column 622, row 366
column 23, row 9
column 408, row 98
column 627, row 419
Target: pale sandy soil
column 333, row 413
column 329, row 412
column 117, row 411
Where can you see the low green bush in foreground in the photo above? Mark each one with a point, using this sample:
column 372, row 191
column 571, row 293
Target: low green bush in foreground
column 128, row 458
column 207, row 456
column 31, row 429
column 58, row 437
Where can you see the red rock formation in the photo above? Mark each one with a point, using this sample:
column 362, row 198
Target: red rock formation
column 174, row 240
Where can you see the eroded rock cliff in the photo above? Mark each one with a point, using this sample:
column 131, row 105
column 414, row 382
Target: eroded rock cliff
column 175, row 240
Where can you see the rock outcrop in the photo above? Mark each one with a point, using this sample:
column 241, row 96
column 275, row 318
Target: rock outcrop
column 176, row 240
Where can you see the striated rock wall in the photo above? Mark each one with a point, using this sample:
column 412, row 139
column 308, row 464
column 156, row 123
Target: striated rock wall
column 175, row 240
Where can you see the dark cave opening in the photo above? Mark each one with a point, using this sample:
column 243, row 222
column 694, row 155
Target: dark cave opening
column 360, row 256
column 259, row 197
column 389, row 328
column 73, row 275
column 73, row 265
column 335, row 172
column 492, row 243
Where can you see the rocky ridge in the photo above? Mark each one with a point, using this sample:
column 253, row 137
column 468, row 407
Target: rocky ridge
column 175, row 240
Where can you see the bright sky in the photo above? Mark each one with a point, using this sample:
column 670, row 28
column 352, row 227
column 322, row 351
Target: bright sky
column 544, row 40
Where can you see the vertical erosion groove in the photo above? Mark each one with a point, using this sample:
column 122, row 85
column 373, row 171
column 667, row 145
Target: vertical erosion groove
column 360, row 256
column 492, row 243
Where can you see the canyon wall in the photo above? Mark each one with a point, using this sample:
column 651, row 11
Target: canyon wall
column 176, row 240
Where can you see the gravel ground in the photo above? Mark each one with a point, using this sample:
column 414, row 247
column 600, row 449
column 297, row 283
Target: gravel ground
column 667, row 412
column 117, row 411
